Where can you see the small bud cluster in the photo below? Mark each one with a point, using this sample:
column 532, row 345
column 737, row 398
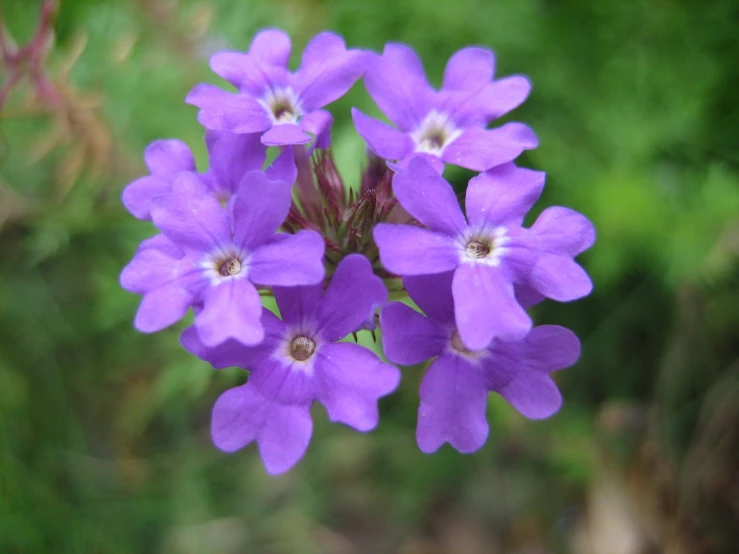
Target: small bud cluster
column 328, row 254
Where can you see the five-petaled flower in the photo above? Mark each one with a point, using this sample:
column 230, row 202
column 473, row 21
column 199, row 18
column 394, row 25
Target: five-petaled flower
column 448, row 125
column 489, row 250
column 282, row 106
column 301, row 361
column 455, row 388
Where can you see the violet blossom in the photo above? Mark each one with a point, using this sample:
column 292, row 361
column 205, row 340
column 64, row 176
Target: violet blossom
column 455, row 388
column 448, row 125
column 489, row 250
column 224, row 254
column 282, row 106
column 301, row 361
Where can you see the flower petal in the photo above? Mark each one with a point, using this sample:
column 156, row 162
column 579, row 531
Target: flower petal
column 327, row 70
column 162, row 307
column 560, row 278
column 479, row 107
column 351, row 297
column 138, row 195
column 298, row 305
column 408, row 337
column 385, row 141
column 482, row 149
column 350, row 380
column 241, row 415
column 190, row 216
column 534, row 395
column 551, row 347
column 485, row 306
column 166, row 158
column 425, row 195
column 289, row 260
column 469, row 69
column 258, row 209
column 318, row 123
column 407, row 100
column 163, row 244
column 226, row 111
column 563, row 231
column 271, row 46
column 409, row 250
column 150, row 269
column 283, row 167
column 285, row 134
column 453, row 403
column 503, row 195
column 433, row 294
column 231, row 310
column 280, row 379
column 232, row 156
column 527, row 296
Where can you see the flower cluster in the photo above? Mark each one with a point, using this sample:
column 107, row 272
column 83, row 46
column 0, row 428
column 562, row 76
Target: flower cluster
column 330, row 254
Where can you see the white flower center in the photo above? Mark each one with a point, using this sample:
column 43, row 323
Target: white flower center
column 282, row 105
column 435, row 133
column 222, row 265
column 484, row 247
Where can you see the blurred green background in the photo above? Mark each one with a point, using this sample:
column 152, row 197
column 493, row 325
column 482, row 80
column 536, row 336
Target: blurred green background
column 104, row 432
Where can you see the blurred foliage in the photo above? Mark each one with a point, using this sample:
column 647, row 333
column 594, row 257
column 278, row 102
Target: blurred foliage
column 104, row 432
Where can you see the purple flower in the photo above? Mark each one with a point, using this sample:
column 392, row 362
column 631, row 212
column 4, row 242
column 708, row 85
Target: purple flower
column 282, row 106
column 230, row 157
column 212, row 258
column 455, row 388
column 489, row 251
column 300, row 361
column 448, row 125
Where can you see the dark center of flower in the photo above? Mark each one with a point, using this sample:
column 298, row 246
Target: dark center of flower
column 231, row 266
column 477, row 249
column 458, row 345
column 302, row 348
column 283, row 110
column 434, row 140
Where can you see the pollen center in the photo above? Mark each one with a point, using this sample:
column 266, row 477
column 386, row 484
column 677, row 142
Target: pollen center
column 283, row 111
column 302, row 348
column 282, row 105
column 231, row 266
column 476, row 249
column 435, row 133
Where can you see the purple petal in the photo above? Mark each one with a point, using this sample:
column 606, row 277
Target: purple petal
column 350, row 380
column 191, row 216
column 241, row 415
column 408, row 337
column 285, row 134
column 280, row 379
column 469, row 69
column 271, row 46
column 563, row 231
column 534, row 395
column 289, row 260
column 231, row 310
column 407, row 100
column 227, row 111
column 560, row 278
column 429, row 198
column 482, row 149
column 162, row 307
column 432, row 159
column 551, row 347
column 502, row 195
column 486, row 307
column 318, row 124
column 453, row 403
column 258, row 209
column 527, row 296
column 327, row 70
column 385, row 141
column 150, row 269
column 351, row 297
column 138, row 195
column 283, row 167
column 506, row 94
column 232, row 156
column 479, row 107
column 433, row 294
column 234, row 67
column 298, row 305
column 409, row 250
column 233, row 353
column 166, row 158
column 163, row 244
